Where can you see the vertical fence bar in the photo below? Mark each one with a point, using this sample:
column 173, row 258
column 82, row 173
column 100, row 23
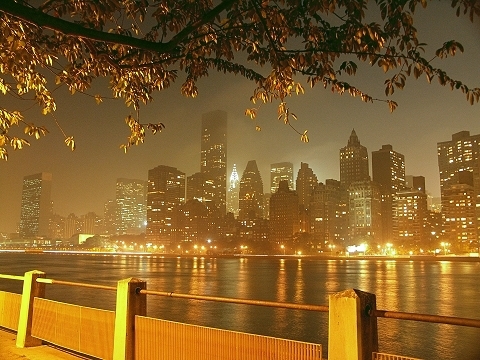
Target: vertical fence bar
column 31, row 289
column 352, row 332
column 129, row 303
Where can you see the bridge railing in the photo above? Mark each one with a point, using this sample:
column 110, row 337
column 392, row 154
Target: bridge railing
column 127, row 333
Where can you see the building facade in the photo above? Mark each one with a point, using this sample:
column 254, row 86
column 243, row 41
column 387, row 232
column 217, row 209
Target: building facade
column 166, row 191
column 233, row 192
column 213, row 164
column 278, row 172
column 36, row 209
column 250, row 197
column 284, row 214
column 131, row 206
column 305, row 183
column 353, row 162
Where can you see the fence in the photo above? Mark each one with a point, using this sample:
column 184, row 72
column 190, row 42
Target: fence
column 127, row 333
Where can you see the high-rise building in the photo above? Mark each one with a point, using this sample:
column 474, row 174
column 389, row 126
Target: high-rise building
column 305, row 183
column 233, row 191
column 353, row 162
column 325, row 213
column 109, row 215
column 284, row 214
column 415, row 182
column 410, row 220
column 131, row 206
column 72, row 226
column 195, row 187
column 250, row 196
column 166, row 191
column 36, row 210
column 388, row 170
column 214, row 158
column 457, row 158
column 365, row 217
column 278, row 172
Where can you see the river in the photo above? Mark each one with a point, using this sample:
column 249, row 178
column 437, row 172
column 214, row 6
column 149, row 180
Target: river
column 428, row 287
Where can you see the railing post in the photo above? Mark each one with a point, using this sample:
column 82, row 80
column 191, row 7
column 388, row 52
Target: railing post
column 352, row 333
column 129, row 304
column 31, row 289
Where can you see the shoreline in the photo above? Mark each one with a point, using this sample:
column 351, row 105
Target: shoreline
column 455, row 258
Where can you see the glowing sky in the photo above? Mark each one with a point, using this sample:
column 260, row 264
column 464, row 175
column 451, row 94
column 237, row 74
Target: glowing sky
column 85, row 179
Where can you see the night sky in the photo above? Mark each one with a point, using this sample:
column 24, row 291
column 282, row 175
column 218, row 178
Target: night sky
column 84, row 179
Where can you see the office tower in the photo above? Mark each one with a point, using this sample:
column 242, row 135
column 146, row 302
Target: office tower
column 415, row 182
column 325, row 213
column 410, row 219
column 166, row 191
column 192, row 224
column 365, row 219
column 195, row 187
column 250, row 197
column 457, row 157
column 353, row 162
column 305, row 183
column 91, row 223
column 284, row 214
column 388, row 170
column 214, row 158
column 233, row 191
column 131, row 206
column 36, row 210
column 72, row 226
column 109, row 215
column 278, row 172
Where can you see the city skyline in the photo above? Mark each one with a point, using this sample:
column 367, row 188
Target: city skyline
column 427, row 114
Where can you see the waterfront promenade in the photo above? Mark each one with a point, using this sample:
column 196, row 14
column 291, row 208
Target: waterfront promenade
column 8, row 350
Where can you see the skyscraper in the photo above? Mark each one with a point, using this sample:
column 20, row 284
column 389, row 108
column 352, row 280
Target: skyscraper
column 214, row 158
column 305, row 183
column 166, row 190
column 233, row 191
column 278, row 172
column 459, row 167
column 284, row 214
column 388, row 170
column 131, row 206
column 353, row 162
column 36, row 210
column 251, row 192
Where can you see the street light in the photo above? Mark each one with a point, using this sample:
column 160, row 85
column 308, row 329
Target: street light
column 283, row 247
column 445, row 245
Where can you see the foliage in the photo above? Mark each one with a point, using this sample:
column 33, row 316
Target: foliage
column 143, row 46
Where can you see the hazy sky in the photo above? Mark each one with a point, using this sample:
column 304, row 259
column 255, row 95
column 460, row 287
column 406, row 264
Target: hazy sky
column 84, row 179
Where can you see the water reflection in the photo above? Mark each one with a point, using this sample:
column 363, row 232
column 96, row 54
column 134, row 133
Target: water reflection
column 443, row 288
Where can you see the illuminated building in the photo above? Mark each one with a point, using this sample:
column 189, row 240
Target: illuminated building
column 232, row 193
column 166, row 190
column 90, row 223
column 278, row 172
column 72, row 226
column 325, row 213
column 131, row 209
column 365, row 219
column 36, row 209
column 410, row 221
column 388, row 170
column 305, row 183
column 109, row 215
column 457, row 158
column 191, row 222
column 213, row 164
column 250, row 197
column 353, row 162
column 284, row 214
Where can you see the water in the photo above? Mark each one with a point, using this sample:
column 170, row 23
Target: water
column 439, row 288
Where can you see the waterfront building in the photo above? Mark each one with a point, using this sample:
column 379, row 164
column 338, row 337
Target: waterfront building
column 410, row 225
column 388, row 170
column 304, row 185
column 213, row 163
column 131, row 206
column 325, row 214
column 278, row 172
column 365, row 218
column 250, row 197
column 353, row 162
column 233, row 192
column 456, row 157
column 36, row 207
column 72, row 226
column 191, row 223
column 109, row 217
column 284, row 214
column 166, row 190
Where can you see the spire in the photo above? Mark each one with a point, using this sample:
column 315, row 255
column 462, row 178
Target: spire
column 234, row 179
column 353, row 140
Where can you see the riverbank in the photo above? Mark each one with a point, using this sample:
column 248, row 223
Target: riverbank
column 462, row 258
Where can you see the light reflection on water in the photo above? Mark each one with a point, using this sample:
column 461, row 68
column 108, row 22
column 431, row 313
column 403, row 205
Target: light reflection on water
column 441, row 288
